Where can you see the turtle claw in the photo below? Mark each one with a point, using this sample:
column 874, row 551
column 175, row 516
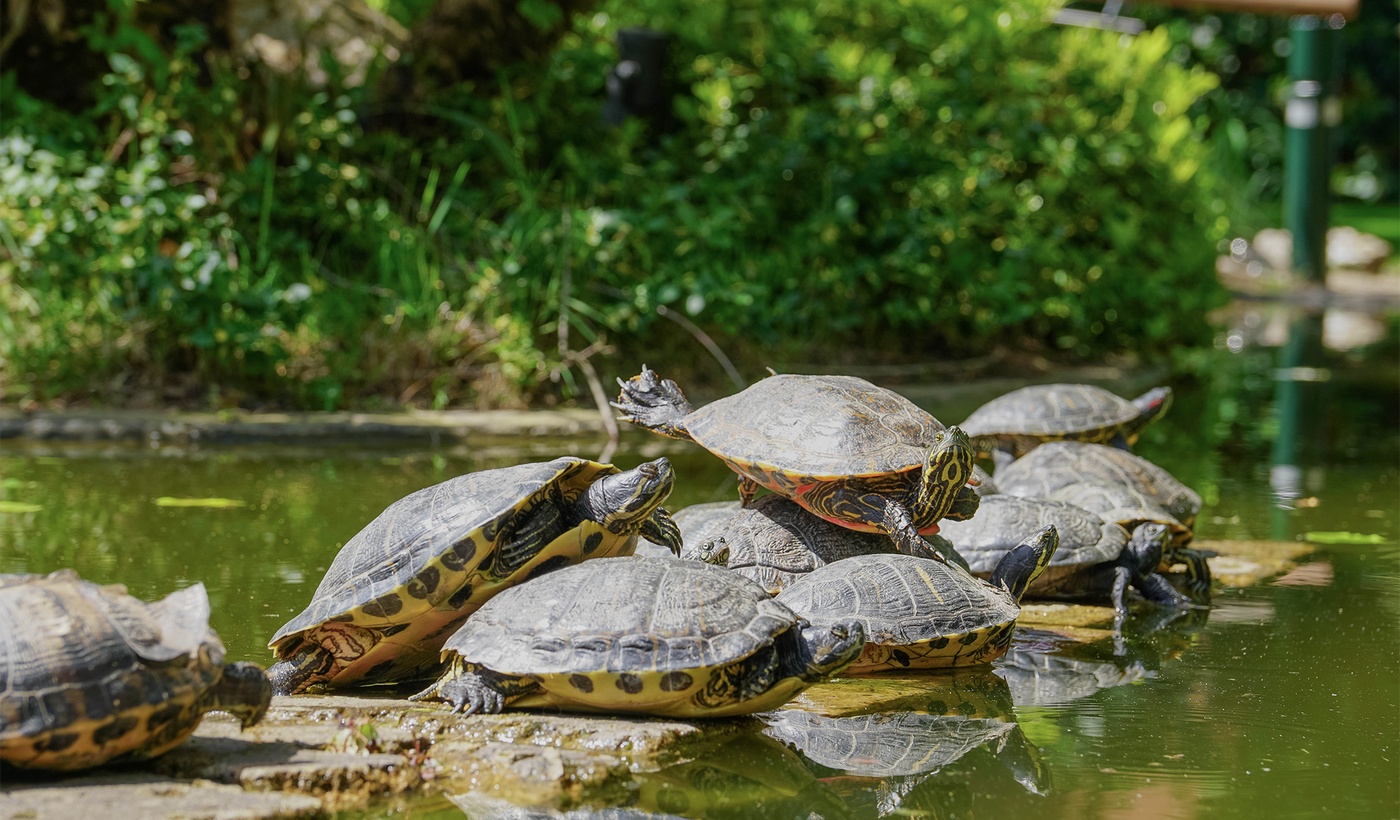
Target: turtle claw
column 657, row 404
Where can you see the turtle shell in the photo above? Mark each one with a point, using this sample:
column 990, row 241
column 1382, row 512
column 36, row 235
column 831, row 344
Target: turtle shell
column 1003, row 521
column 90, row 675
column 1123, row 504
column 776, row 542
column 1058, row 464
column 816, row 427
column 431, row 558
column 1053, row 410
column 917, row 613
column 637, row 634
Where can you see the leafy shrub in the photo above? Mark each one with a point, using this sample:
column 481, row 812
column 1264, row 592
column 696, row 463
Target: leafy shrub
column 919, row 177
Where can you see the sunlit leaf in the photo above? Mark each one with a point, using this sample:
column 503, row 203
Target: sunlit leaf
column 211, row 503
column 19, row 507
column 1343, row 538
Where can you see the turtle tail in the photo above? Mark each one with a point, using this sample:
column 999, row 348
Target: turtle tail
column 1022, row 565
column 654, row 403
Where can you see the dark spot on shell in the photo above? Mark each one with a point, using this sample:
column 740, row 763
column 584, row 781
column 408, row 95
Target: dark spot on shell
column 547, row 566
column 111, row 731
column 938, row 643
column 969, row 638
column 429, row 577
column 937, row 707
column 900, row 657
column 672, row 801
column 592, row 542
column 56, row 742
column 338, row 619
column 581, row 683
column 967, row 709
column 460, row 597
column 629, row 683
column 460, row 555
column 392, row 630
column 383, row 606
column 675, row 682
column 163, row 716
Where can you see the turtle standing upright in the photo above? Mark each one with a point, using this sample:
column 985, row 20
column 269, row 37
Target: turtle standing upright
column 1012, row 425
column 921, row 614
column 400, row 587
column 90, row 675
column 853, row 453
column 660, row 636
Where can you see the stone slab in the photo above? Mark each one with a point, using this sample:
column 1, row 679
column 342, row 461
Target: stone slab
column 143, row 796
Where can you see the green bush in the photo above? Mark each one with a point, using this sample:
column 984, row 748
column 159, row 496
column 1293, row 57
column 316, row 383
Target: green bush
column 916, row 177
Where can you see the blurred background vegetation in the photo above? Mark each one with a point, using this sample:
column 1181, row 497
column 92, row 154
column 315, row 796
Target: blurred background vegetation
column 332, row 203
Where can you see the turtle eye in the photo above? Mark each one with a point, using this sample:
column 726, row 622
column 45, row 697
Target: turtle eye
column 840, row 632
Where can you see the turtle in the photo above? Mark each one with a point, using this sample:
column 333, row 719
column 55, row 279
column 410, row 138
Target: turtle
column 698, row 521
column 922, row 614
column 91, row 675
column 1012, row 425
column 775, row 542
column 661, row 636
column 1131, row 508
column 1096, row 558
column 1058, row 463
column 403, row 584
column 859, row 455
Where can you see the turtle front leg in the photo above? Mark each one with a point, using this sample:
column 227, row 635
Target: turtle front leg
column 657, row 404
column 1159, row 591
column 473, row 689
column 310, row 664
column 893, row 519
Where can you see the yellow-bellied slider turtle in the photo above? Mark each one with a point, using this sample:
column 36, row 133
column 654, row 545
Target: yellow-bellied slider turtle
column 1096, row 558
column 859, row 455
column 921, row 614
column 662, row 636
column 774, row 542
column 399, row 588
column 1130, row 508
column 1049, row 467
column 90, row 675
column 1012, row 425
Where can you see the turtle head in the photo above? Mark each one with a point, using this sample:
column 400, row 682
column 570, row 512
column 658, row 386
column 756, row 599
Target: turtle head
column 947, row 469
column 243, row 691
column 1151, row 406
column 714, row 551
column 827, row 649
column 630, row 502
column 1146, row 546
column 1022, row 565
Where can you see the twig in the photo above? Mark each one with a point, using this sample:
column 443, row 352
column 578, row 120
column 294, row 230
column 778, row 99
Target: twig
column 119, row 146
column 568, row 358
column 604, row 409
column 707, row 342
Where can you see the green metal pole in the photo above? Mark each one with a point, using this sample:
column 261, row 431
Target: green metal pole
column 1311, row 111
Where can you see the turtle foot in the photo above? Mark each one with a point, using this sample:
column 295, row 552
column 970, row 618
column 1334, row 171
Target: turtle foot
column 657, row 404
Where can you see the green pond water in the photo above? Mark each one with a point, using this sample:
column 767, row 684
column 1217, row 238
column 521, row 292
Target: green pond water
column 1282, row 701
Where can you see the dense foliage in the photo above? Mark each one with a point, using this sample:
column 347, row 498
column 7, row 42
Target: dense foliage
column 920, row 177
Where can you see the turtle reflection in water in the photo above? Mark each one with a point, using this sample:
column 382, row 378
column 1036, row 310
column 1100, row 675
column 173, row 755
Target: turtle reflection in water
column 749, row 777
column 913, row 738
